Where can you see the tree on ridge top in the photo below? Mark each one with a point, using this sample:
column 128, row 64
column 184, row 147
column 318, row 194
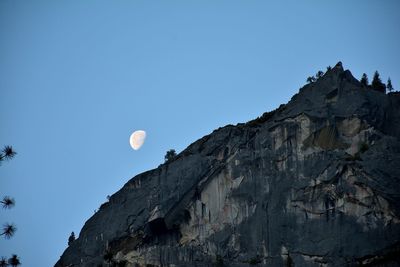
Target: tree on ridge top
column 364, row 80
column 377, row 83
column 319, row 74
column 170, row 155
column 311, row 79
column 389, row 85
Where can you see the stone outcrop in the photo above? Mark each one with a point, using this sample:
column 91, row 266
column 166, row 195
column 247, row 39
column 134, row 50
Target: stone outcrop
column 314, row 183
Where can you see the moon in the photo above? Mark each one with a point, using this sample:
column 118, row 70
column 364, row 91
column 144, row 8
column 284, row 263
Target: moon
column 137, row 139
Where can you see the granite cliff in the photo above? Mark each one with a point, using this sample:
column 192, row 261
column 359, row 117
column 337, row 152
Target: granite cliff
column 315, row 182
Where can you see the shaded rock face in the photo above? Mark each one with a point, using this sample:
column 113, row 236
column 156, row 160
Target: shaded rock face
column 313, row 183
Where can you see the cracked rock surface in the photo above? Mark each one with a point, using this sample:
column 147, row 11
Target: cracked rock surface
column 314, row 183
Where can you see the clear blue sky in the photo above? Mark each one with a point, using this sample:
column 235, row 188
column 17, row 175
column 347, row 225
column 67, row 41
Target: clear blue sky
column 77, row 77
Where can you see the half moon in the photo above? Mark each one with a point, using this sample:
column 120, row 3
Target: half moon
column 137, row 139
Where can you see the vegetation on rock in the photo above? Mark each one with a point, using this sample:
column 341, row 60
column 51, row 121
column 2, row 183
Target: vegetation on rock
column 364, row 80
column 389, row 85
column 71, row 238
column 170, row 155
column 377, row 84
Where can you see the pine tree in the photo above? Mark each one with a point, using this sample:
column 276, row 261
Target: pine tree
column 311, row 79
column 7, row 202
column 7, row 153
column 389, row 85
column 71, row 238
column 364, row 80
column 3, row 262
column 8, row 230
column 377, row 83
column 14, row 261
column 319, row 74
column 170, row 155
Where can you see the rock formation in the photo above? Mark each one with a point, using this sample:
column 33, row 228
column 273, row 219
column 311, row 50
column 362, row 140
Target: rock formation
column 315, row 182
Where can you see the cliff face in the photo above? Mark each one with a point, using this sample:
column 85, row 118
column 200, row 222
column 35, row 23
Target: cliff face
column 314, row 183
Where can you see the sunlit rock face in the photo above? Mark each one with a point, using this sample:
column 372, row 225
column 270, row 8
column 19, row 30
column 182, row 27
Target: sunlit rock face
column 314, row 183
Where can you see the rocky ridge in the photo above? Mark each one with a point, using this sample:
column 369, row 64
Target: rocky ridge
column 313, row 183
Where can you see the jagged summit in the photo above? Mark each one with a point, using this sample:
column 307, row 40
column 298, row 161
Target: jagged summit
column 312, row 183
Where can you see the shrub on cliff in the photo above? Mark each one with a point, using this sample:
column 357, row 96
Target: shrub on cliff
column 311, row 79
column 71, row 238
column 170, row 155
column 319, row 74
